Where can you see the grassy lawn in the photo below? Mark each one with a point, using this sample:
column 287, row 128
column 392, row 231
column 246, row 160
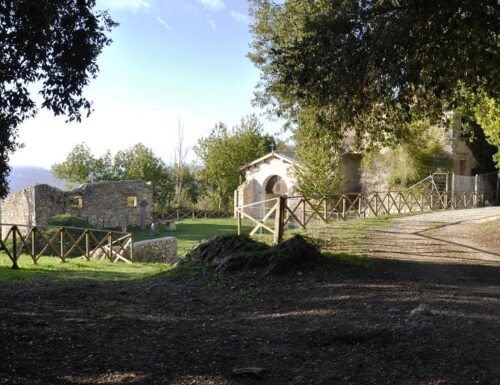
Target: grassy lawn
column 76, row 269
column 190, row 231
column 338, row 238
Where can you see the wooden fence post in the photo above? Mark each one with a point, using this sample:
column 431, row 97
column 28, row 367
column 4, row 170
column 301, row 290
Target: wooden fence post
column 446, row 191
column 87, row 245
column 131, row 248
column 61, row 246
column 33, row 245
column 476, row 187
column 15, row 266
column 238, row 218
column 110, row 245
column 279, row 220
column 303, row 212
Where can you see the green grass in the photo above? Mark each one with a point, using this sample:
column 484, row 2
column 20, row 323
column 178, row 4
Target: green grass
column 343, row 240
column 339, row 240
column 76, row 270
column 191, row 231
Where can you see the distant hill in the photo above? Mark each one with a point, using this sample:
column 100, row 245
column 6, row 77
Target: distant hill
column 26, row 176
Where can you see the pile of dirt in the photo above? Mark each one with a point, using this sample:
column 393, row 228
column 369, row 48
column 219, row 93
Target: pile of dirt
column 236, row 253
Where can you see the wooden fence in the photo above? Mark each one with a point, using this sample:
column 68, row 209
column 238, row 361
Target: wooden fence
column 65, row 242
column 300, row 211
column 186, row 213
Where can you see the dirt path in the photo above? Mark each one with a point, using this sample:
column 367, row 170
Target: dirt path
column 336, row 324
column 438, row 237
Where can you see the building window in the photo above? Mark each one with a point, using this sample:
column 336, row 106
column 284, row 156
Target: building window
column 77, row 202
column 132, row 201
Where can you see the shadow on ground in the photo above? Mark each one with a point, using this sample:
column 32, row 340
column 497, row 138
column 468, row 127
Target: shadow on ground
column 336, row 324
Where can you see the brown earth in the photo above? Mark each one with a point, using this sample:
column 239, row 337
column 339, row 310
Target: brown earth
column 336, row 324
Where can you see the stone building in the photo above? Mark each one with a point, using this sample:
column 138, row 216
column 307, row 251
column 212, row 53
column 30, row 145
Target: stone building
column 271, row 175
column 454, row 147
column 103, row 204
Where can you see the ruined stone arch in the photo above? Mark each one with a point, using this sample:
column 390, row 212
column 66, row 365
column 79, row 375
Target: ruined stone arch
column 275, row 185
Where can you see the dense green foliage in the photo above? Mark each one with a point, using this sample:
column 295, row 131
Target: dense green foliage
column 82, row 166
column 422, row 153
column 318, row 168
column 487, row 115
column 225, row 151
column 48, row 46
column 136, row 162
column 375, row 67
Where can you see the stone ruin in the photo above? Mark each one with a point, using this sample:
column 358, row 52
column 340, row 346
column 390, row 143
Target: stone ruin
column 113, row 204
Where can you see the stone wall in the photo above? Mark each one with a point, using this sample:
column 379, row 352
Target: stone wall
column 105, row 204
column 350, row 169
column 159, row 250
column 49, row 201
column 19, row 209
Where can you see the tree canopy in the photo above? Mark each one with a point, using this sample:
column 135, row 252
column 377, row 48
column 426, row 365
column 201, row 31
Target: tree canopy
column 373, row 66
column 225, row 151
column 50, row 46
column 136, row 162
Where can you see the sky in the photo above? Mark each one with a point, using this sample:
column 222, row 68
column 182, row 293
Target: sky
column 170, row 61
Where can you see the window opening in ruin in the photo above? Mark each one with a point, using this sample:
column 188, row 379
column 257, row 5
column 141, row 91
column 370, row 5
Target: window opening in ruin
column 132, row 201
column 77, row 202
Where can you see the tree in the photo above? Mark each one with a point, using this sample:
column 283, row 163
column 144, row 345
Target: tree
column 163, row 191
column 52, row 45
column 373, row 66
column 225, row 151
column 487, row 115
column 82, row 166
column 318, row 168
column 180, row 169
column 136, row 162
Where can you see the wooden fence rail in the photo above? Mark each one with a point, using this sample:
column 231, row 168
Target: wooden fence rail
column 65, row 242
column 186, row 213
column 302, row 210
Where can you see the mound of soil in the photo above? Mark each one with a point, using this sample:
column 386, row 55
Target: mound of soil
column 230, row 253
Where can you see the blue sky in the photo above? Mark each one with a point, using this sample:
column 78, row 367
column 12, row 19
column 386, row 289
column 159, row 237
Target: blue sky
column 170, row 60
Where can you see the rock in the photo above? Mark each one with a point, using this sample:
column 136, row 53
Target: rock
column 253, row 371
column 421, row 310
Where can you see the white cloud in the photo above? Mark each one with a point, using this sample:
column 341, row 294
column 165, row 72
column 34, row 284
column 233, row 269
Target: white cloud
column 214, row 5
column 212, row 24
column 130, row 5
column 163, row 22
column 240, row 17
